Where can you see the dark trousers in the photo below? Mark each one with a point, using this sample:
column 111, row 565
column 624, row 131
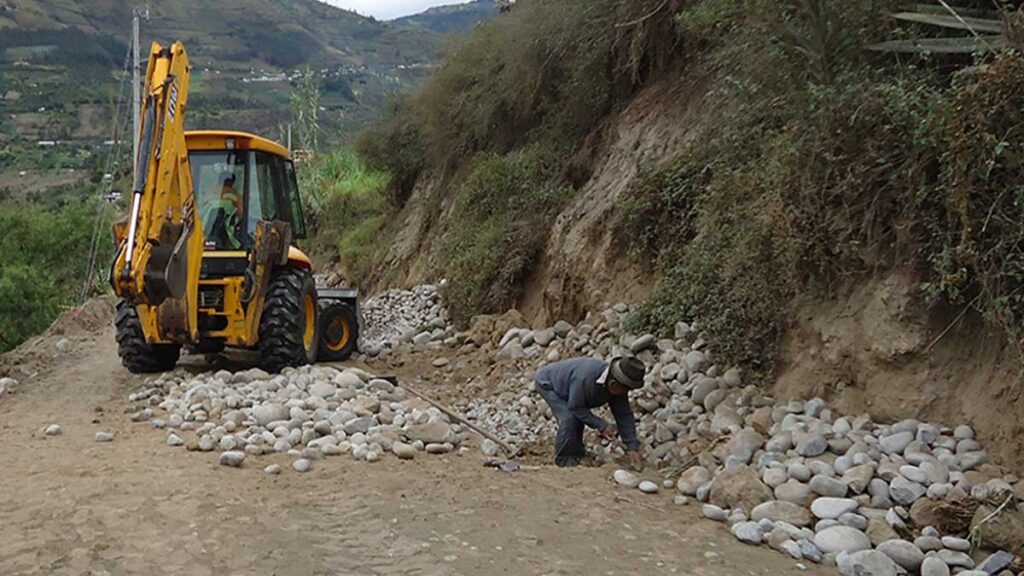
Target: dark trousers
column 569, row 448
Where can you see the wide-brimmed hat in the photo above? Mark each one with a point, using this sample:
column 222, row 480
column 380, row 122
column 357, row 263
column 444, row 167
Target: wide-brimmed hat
column 628, row 371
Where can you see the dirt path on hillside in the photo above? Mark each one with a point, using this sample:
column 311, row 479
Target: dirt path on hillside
column 69, row 505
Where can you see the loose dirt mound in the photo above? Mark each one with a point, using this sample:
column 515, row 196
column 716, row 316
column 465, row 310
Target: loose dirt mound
column 81, row 323
column 876, row 348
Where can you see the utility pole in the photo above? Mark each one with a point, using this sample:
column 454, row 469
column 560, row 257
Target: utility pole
column 137, row 14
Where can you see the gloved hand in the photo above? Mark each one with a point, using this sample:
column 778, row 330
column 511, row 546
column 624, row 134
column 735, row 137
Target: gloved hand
column 636, row 460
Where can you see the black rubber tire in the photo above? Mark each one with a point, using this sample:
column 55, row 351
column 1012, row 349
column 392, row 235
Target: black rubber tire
column 328, row 315
column 283, row 323
column 137, row 355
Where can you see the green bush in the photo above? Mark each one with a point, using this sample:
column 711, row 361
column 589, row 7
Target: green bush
column 499, row 225
column 45, row 252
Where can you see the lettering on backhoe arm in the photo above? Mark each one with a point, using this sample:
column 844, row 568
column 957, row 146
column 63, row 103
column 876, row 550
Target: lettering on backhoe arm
column 188, row 214
column 172, row 107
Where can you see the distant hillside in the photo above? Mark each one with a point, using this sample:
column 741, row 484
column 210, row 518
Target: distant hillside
column 60, row 63
column 454, row 18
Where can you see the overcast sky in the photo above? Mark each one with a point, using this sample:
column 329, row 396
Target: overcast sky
column 388, row 9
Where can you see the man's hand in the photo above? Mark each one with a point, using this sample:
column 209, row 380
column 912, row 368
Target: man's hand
column 636, row 460
column 610, row 433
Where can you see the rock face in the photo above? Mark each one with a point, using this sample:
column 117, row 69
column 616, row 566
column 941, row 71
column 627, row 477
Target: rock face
column 740, row 487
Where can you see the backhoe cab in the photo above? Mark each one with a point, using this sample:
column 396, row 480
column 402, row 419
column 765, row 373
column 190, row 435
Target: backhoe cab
column 207, row 258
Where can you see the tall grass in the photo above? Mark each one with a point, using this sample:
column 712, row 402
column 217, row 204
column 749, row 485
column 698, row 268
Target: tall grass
column 346, row 205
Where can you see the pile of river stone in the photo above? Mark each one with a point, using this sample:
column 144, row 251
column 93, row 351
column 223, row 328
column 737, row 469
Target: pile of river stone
column 868, row 497
column 306, row 413
column 404, row 316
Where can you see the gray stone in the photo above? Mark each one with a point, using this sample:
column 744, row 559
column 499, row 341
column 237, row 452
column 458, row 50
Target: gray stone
column 914, row 474
column 996, row 562
column 774, row 477
column 827, row 486
column 954, row 543
column 53, row 430
column 270, row 412
column 489, row 448
column 626, row 478
column 642, row 343
column 323, row 389
column 955, row 559
column 810, row 551
column 903, row 553
column 854, row 521
column 832, row 508
column 272, row 470
column 702, row 388
column 963, row 432
column 233, row 458
column 431, row 433
column 438, row 448
column 858, row 477
column 841, row 538
column 794, row 492
column 905, row 492
column 174, row 440
column 934, row 566
column 866, row 563
column 744, row 444
column 104, row 437
column 799, row 471
column 896, row 443
column 301, row 465
column 403, row 451
column 648, row 487
column 692, row 479
column 747, row 532
column 809, row 444
column 780, row 511
column 712, row 512
column 928, row 543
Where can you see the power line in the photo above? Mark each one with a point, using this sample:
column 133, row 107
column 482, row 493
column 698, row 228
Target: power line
column 107, row 179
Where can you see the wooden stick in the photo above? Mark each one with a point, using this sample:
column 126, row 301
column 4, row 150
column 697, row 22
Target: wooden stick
column 508, row 449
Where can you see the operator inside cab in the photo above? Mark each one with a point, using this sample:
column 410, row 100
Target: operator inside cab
column 227, row 218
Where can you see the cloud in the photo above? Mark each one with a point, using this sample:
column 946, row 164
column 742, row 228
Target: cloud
column 388, row 9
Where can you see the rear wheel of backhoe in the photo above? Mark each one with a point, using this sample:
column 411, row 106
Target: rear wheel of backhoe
column 339, row 333
column 137, row 355
column 288, row 327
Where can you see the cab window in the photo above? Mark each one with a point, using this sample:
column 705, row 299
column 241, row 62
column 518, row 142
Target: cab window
column 263, row 201
column 219, row 181
column 291, row 194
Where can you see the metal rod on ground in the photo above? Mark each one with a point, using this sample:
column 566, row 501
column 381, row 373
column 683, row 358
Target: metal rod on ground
column 508, row 449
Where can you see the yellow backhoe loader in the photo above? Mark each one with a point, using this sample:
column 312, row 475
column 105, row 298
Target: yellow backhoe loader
column 206, row 258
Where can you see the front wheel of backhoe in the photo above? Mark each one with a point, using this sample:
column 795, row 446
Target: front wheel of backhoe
column 339, row 333
column 137, row 355
column 289, row 324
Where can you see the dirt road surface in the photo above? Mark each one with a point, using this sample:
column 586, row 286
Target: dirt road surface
column 69, row 505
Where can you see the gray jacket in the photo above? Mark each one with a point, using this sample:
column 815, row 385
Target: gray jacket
column 575, row 381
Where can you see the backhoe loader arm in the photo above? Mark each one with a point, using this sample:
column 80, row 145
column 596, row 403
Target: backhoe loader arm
column 158, row 261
